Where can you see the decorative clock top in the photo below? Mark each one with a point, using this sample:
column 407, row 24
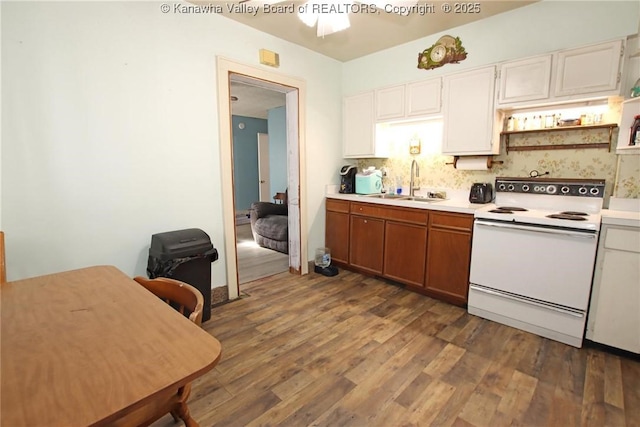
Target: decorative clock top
column 447, row 50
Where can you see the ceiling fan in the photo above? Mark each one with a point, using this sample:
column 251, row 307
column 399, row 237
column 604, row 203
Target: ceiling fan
column 332, row 16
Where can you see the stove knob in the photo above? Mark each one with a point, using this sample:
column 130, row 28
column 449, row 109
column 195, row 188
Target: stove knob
column 594, row 191
column 502, row 187
column 565, row 189
column 582, row 190
column 551, row 189
column 525, row 188
column 511, row 187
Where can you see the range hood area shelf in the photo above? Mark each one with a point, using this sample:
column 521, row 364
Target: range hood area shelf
column 505, row 136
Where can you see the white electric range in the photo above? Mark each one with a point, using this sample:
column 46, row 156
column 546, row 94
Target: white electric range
column 533, row 255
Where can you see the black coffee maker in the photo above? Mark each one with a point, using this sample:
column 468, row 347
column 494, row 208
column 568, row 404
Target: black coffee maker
column 348, row 179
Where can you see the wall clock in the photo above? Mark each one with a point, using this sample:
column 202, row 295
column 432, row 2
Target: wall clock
column 447, row 50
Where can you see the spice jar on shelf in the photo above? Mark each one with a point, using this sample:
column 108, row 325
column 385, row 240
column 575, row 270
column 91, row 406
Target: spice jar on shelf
column 548, row 121
column 537, row 122
column 522, row 123
column 511, row 126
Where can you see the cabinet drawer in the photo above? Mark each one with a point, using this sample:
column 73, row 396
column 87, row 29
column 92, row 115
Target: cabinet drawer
column 622, row 239
column 367, row 209
column 338, row 205
column 451, row 221
column 417, row 216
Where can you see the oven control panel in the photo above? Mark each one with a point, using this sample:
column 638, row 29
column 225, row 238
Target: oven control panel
column 573, row 187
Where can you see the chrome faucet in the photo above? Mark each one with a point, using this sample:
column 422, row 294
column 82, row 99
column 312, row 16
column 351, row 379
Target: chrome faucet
column 416, row 168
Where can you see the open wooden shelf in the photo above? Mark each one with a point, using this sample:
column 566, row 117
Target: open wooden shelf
column 611, row 126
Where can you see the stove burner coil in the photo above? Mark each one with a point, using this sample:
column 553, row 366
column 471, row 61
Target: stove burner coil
column 507, row 210
column 568, row 217
column 574, row 213
column 512, row 208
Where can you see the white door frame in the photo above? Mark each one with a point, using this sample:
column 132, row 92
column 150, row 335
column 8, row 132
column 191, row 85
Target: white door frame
column 295, row 90
column 264, row 182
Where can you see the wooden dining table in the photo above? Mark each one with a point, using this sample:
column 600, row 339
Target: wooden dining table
column 89, row 347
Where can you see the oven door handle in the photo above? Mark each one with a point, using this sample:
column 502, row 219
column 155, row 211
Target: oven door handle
column 578, row 234
column 525, row 300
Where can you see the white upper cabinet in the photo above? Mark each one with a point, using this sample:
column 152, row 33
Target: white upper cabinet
column 408, row 101
column 525, row 80
column 591, row 70
column 424, row 97
column 359, row 127
column 468, row 113
column 573, row 74
column 390, row 103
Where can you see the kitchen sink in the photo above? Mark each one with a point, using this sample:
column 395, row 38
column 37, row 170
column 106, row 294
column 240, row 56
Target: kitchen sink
column 425, row 199
column 405, row 197
column 388, row 196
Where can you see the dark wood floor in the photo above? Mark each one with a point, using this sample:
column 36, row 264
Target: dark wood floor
column 356, row 351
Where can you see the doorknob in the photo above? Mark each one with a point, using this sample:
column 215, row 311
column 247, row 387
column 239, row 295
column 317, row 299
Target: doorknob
column 262, row 181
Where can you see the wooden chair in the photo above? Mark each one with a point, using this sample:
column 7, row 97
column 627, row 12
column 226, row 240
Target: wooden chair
column 189, row 302
column 3, row 266
column 185, row 296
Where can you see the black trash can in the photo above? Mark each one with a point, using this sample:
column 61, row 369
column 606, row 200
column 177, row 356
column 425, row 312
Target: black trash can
column 184, row 255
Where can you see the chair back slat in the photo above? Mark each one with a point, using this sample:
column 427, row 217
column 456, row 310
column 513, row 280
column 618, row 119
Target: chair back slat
column 181, row 296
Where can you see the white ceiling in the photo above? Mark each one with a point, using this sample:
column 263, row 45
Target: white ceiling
column 368, row 33
column 254, row 101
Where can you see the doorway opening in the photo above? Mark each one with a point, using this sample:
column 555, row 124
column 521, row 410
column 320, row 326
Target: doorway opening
column 260, row 172
column 294, row 91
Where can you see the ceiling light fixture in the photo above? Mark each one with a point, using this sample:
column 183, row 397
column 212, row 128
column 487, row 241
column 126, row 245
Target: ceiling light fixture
column 332, row 16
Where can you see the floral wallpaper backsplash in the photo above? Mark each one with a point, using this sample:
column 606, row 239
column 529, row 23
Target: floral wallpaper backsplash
column 628, row 180
column 622, row 173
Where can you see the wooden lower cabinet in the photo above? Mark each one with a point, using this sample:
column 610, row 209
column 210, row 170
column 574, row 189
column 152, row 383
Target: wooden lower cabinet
column 366, row 243
column 449, row 256
column 427, row 250
column 405, row 251
column 337, row 231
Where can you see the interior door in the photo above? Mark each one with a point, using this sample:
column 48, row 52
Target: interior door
column 263, row 167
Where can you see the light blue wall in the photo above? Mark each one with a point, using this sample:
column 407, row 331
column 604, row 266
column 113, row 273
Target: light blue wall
column 127, row 141
column 277, row 119
column 245, row 159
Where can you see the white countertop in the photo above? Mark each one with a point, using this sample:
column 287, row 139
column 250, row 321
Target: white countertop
column 622, row 212
column 450, row 205
column 626, row 218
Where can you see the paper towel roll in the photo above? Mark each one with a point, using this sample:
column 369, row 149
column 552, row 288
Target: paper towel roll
column 479, row 163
